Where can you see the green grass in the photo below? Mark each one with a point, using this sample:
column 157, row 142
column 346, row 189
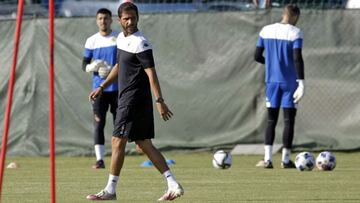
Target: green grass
column 241, row 183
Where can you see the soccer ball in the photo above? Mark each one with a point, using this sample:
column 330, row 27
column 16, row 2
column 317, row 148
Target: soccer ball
column 222, row 160
column 326, row 161
column 304, row 161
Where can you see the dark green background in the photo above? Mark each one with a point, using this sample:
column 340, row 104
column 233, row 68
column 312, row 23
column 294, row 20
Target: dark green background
column 208, row 77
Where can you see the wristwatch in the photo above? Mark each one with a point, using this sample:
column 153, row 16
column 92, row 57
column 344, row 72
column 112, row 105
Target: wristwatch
column 159, row 100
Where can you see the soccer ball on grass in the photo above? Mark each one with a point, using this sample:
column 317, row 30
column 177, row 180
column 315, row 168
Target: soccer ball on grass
column 222, row 160
column 304, row 161
column 326, row 161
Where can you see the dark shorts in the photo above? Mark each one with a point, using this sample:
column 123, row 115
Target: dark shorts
column 136, row 122
column 106, row 100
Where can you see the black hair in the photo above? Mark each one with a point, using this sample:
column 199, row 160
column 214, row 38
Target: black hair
column 128, row 6
column 293, row 9
column 104, row 11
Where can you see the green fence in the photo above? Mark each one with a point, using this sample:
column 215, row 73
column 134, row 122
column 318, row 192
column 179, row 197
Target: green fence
column 76, row 8
column 208, row 76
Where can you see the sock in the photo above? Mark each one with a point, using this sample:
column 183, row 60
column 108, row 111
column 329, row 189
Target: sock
column 285, row 158
column 268, row 153
column 111, row 185
column 99, row 152
column 170, row 179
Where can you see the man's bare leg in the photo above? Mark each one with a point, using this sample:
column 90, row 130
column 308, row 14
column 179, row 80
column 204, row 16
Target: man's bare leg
column 153, row 154
column 117, row 160
column 174, row 190
column 118, row 153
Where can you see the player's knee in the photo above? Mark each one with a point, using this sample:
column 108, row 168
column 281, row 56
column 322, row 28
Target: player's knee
column 118, row 142
column 271, row 123
column 144, row 145
column 99, row 122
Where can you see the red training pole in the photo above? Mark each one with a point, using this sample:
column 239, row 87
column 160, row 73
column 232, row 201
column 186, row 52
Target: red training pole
column 51, row 101
column 10, row 91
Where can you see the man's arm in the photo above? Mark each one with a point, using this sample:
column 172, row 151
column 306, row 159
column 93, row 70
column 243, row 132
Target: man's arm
column 299, row 66
column 154, row 82
column 299, row 63
column 163, row 110
column 85, row 62
column 259, row 55
column 109, row 79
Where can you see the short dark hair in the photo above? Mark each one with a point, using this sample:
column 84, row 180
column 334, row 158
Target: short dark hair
column 292, row 10
column 104, row 11
column 128, row 6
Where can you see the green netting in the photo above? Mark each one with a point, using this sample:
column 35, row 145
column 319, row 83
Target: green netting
column 208, row 76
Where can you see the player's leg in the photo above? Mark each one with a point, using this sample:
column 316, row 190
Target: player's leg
column 153, row 154
column 122, row 130
column 118, row 145
column 273, row 99
column 288, row 135
column 289, row 111
column 123, row 127
column 272, row 118
column 174, row 188
column 100, row 107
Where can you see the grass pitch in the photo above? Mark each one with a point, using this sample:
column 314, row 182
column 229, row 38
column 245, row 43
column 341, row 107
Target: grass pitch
column 243, row 182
